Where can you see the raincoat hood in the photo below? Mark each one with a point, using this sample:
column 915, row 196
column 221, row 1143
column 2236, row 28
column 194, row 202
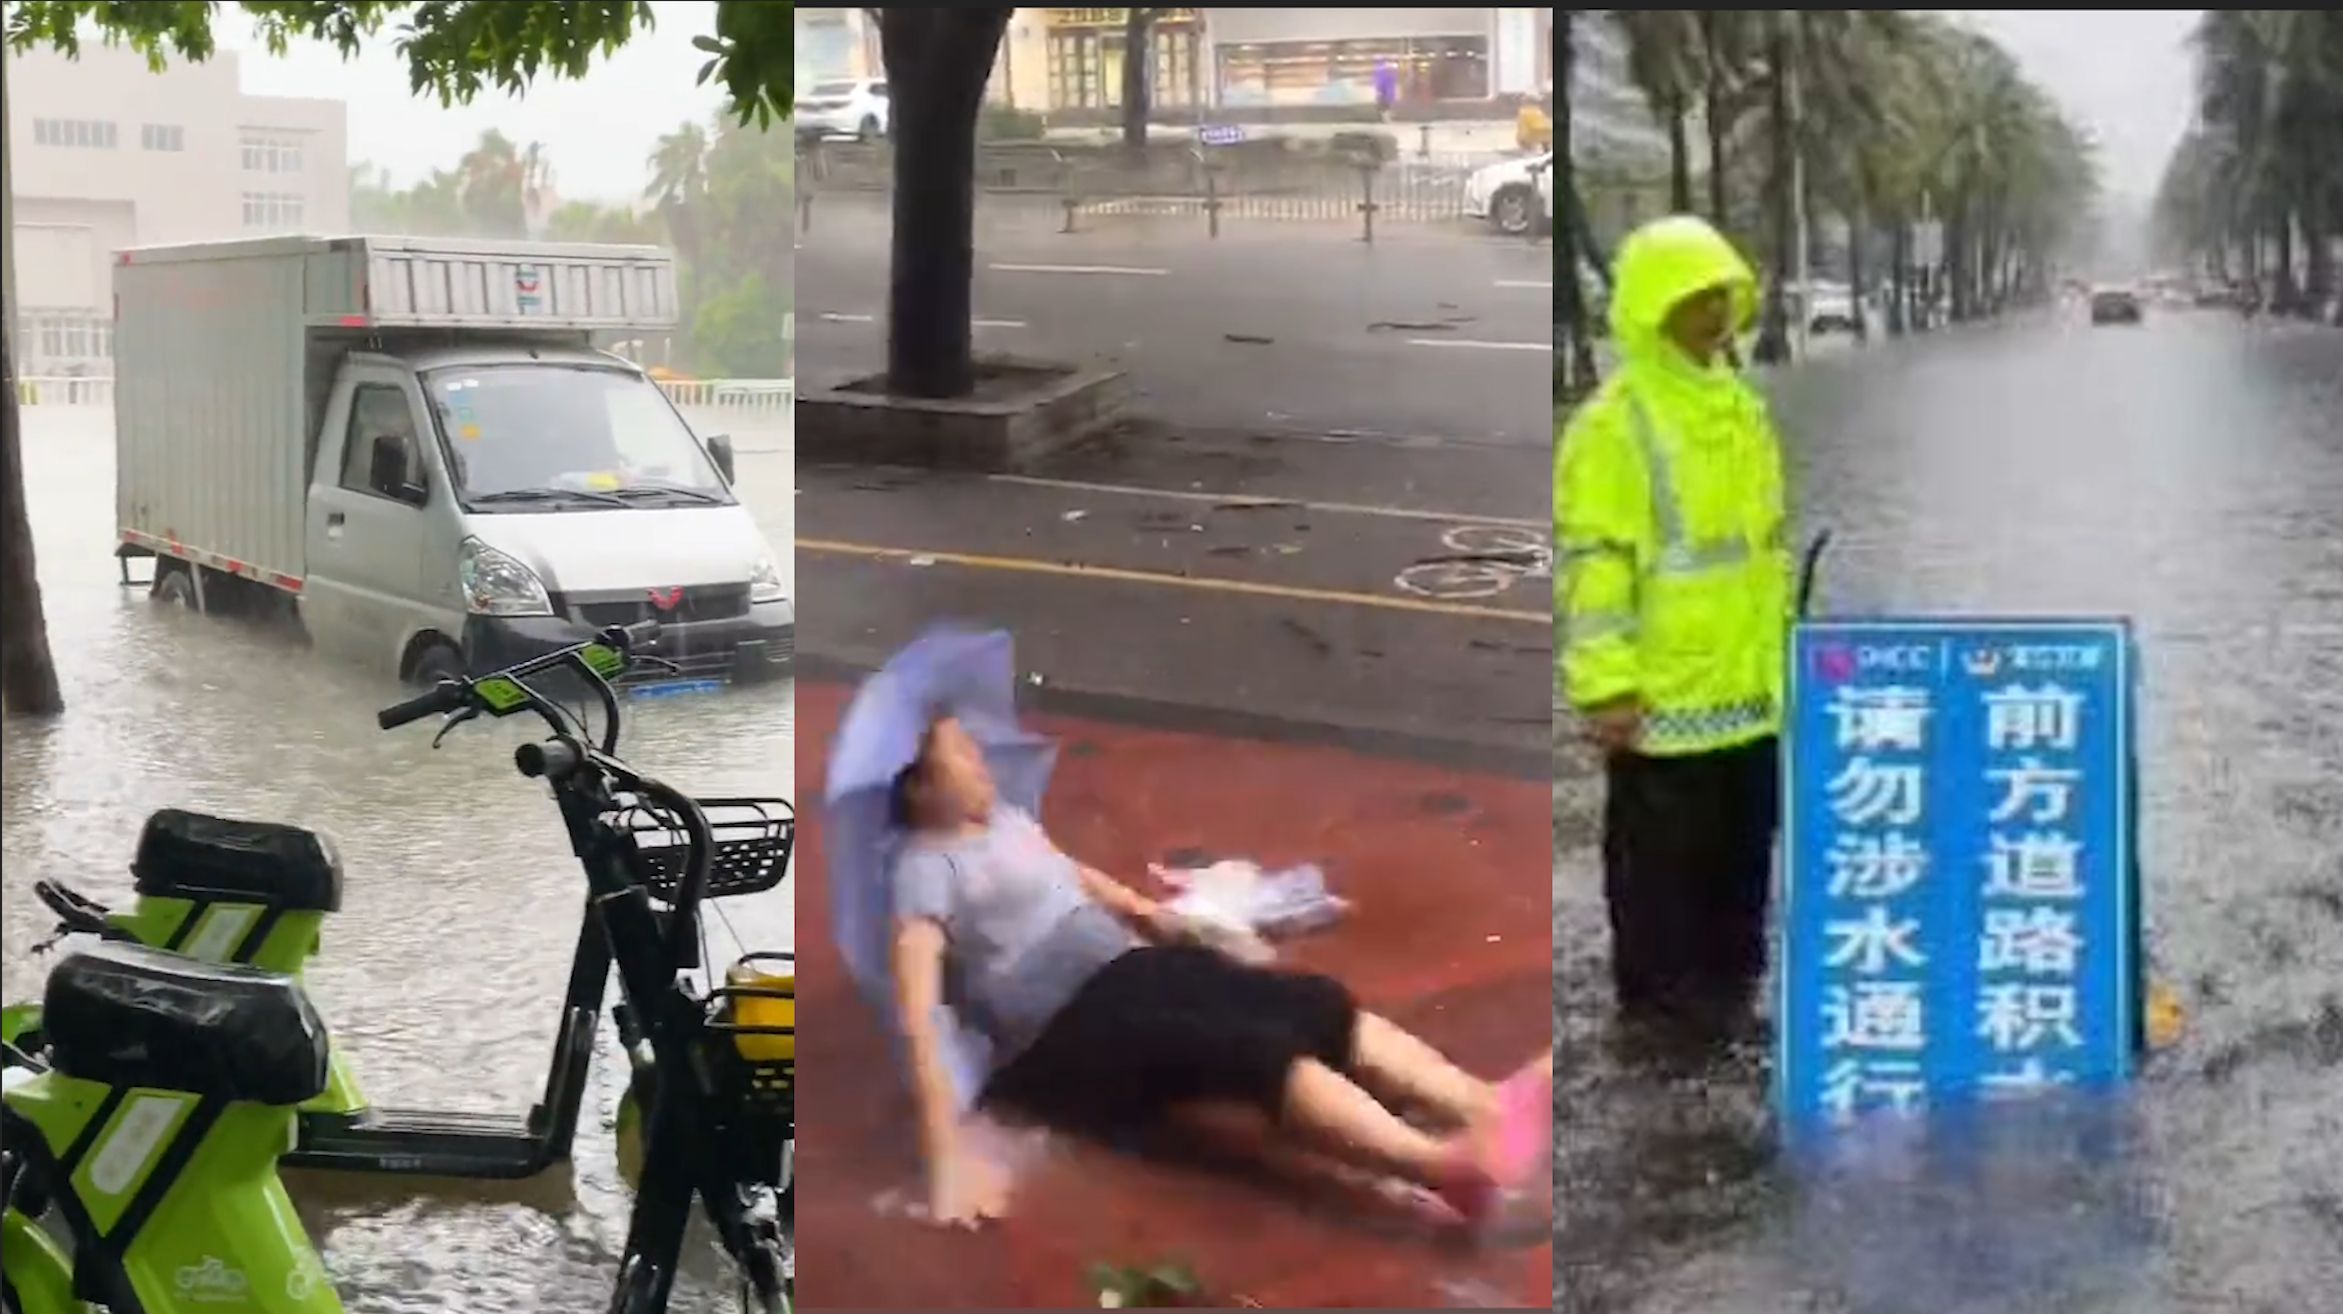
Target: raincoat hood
column 1659, row 266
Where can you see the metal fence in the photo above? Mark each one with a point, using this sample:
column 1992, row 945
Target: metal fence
column 1209, row 183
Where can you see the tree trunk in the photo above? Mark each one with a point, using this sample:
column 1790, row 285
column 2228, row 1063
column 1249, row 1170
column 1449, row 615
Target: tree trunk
column 1773, row 338
column 937, row 63
column 1855, row 222
column 28, row 675
column 1577, row 375
column 1138, row 57
column 2283, row 293
column 1712, row 114
column 1679, row 159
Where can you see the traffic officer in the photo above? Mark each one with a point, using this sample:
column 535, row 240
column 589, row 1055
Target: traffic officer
column 1674, row 595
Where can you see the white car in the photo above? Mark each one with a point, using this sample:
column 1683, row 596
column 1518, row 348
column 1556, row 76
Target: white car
column 1833, row 309
column 858, row 108
column 1513, row 194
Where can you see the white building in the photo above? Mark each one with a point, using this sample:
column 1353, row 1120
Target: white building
column 105, row 154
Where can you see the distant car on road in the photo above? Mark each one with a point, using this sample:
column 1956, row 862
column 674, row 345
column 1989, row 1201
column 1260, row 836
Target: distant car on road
column 1832, row 308
column 1513, row 194
column 2115, row 305
column 857, row 108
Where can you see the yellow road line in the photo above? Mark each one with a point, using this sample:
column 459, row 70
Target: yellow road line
column 1208, row 584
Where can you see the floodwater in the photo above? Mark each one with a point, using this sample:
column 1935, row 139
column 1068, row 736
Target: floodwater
column 2188, row 474
column 442, row 975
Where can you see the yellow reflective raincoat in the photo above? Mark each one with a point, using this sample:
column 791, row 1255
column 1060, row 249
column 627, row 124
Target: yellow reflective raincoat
column 1674, row 577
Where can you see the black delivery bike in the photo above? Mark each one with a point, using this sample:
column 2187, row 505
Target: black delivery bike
column 713, row 1062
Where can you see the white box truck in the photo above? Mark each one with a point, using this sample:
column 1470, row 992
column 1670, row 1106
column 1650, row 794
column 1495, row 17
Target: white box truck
column 414, row 446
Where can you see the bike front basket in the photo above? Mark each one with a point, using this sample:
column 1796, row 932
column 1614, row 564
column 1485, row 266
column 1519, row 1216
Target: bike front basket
column 754, row 837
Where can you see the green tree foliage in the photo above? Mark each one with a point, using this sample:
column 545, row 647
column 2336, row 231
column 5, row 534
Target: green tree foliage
column 2258, row 179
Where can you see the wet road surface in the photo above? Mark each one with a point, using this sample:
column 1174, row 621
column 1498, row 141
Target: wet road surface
column 442, row 974
column 2189, row 474
column 1335, row 532
column 1426, row 333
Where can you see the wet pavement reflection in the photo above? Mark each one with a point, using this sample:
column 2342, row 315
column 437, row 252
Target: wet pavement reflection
column 2188, row 474
column 441, row 977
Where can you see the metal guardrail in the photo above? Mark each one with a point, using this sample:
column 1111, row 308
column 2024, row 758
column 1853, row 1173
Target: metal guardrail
column 1332, row 186
column 66, row 390
column 732, row 394
column 720, row 394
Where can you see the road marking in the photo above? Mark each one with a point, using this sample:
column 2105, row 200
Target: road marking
column 1330, row 508
column 1546, row 283
column 1080, row 269
column 1206, row 584
column 1483, row 346
column 833, row 317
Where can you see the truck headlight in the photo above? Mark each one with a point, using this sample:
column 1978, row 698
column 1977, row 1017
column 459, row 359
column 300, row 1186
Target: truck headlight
column 764, row 582
column 498, row 584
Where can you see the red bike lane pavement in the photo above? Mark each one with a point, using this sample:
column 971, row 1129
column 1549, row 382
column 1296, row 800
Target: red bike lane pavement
column 1451, row 936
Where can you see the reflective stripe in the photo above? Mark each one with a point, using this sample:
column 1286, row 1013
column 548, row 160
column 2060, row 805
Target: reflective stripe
column 1605, row 547
column 1590, row 626
column 1698, row 726
column 1679, row 555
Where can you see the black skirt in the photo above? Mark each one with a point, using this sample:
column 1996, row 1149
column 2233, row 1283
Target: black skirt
column 1168, row 1025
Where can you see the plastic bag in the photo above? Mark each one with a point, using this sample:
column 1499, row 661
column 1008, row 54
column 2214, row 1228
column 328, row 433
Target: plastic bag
column 1237, row 896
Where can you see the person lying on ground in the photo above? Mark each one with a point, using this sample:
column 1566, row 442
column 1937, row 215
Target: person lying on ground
column 1105, row 1016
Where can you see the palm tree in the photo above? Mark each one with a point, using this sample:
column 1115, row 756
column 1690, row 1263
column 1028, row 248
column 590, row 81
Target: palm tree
column 2262, row 163
column 504, row 186
column 679, row 185
column 1668, row 62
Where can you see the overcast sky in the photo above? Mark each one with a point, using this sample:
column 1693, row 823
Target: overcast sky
column 2125, row 74
column 597, row 130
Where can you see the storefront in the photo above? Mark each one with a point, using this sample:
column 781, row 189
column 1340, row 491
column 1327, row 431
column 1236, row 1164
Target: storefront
column 1084, row 53
column 1299, row 57
column 835, row 45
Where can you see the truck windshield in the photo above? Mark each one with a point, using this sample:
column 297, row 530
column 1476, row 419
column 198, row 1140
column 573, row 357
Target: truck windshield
column 552, row 437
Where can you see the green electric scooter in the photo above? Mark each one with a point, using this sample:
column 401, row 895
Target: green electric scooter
column 139, row 1140
column 257, row 893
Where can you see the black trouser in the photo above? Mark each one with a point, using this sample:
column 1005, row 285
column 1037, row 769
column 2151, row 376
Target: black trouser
column 1688, row 871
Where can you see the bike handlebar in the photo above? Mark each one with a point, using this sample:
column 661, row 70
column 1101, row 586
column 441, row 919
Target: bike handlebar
column 446, row 696
column 455, row 695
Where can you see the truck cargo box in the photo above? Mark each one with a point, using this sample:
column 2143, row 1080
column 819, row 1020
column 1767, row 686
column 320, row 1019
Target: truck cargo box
column 224, row 352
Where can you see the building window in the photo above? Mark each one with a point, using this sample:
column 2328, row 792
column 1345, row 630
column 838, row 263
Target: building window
column 82, row 134
column 1317, row 72
column 272, row 210
column 1086, row 64
column 67, row 342
column 272, row 152
column 162, row 137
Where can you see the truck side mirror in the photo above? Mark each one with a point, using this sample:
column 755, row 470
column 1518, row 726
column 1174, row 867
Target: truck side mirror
column 720, row 451
column 387, row 470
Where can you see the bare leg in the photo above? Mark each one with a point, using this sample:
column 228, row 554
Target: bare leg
column 1396, row 1064
column 1327, row 1108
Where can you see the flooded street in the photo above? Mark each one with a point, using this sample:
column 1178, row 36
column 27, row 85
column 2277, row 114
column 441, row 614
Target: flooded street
column 442, row 975
column 2188, row 474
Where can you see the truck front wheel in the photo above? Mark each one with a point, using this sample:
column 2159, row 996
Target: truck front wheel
column 438, row 662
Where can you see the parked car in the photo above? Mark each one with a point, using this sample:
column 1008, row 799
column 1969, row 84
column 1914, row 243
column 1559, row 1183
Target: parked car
column 1513, row 194
column 858, row 108
column 1832, row 309
column 2115, row 305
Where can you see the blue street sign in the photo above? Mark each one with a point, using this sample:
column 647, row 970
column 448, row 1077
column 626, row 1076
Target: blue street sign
column 1960, row 906
column 1221, row 134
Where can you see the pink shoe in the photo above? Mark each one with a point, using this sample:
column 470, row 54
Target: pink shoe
column 1523, row 1141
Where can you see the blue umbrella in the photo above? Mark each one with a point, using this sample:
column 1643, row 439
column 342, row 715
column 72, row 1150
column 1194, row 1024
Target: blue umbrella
column 967, row 674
